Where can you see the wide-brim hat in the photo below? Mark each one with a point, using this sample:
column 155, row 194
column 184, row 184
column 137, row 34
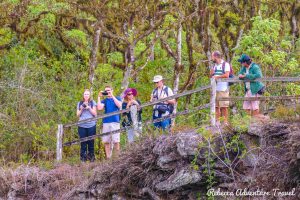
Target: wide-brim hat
column 157, row 78
column 133, row 90
column 244, row 58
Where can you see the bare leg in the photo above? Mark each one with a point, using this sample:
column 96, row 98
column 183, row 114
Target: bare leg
column 117, row 149
column 248, row 111
column 218, row 114
column 107, row 150
column 255, row 112
column 224, row 112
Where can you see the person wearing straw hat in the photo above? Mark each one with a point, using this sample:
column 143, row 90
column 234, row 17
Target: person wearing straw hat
column 162, row 109
column 128, row 121
column 251, row 71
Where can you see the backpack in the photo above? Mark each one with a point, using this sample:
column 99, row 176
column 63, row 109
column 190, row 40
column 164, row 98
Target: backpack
column 231, row 72
column 170, row 106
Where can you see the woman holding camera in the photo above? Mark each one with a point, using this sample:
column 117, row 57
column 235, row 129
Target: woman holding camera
column 129, row 100
column 86, row 109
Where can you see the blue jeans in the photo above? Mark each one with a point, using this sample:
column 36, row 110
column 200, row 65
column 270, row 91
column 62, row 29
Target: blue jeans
column 164, row 125
column 87, row 148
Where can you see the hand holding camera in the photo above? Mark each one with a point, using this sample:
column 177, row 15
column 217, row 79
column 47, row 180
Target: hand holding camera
column 102, row 93
column 85, row 106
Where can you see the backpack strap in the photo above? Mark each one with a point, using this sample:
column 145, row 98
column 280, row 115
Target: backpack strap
column 223, row 67
column 230, row 68
column 80, row 103
column 166, row 90
column 155, row 91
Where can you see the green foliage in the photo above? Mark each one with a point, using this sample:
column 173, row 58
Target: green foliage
column 240, row 123
column 77, row 36
column 115, row 57
column 285, row 113
column 5, row 36
column 48, row 21
column 267, row 47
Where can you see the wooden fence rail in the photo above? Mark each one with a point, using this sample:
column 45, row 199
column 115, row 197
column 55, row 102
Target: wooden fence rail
column 266, row 79
column 212, row 104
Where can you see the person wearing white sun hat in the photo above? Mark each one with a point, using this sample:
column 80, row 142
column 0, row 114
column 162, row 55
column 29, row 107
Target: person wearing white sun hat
column 165, row 108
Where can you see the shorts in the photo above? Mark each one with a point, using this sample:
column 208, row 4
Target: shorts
column 251, row 105
column 108, row 127
column 222, row 104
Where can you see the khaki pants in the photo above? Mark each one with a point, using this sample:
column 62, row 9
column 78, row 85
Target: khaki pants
column 222, row 104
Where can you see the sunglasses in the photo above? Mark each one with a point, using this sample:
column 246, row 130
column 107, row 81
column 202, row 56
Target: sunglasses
column 129, row 94
column 155, row 82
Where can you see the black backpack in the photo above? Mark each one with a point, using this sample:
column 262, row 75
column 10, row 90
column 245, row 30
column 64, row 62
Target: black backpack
column 170, row 106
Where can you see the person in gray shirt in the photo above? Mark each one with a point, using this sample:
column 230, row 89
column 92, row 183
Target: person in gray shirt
column 86, row 109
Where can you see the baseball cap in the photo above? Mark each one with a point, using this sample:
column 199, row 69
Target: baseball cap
column 244, row 58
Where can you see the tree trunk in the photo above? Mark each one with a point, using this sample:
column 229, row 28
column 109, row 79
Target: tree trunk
column 190, row 82
column 178, row 66
column 129, row 67
column 294, row 27
column 93, row 58
column 21, row 112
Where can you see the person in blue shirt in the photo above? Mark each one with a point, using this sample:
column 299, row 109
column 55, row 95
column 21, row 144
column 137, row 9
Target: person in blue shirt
column 112, row 123
column 86, row 109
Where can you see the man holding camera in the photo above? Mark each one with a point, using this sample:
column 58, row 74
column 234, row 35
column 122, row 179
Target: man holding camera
column 165, row 108
column 112, row 123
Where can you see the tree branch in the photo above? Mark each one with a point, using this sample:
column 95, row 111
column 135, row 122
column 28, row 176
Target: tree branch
column 166, row 46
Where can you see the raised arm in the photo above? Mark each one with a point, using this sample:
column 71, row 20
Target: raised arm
column 100, row 105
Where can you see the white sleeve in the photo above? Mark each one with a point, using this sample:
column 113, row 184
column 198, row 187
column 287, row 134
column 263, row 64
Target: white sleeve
column 227, row 67
column 170, row 92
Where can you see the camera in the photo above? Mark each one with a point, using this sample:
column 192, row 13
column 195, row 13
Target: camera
column 84, row 105
column 104, row 93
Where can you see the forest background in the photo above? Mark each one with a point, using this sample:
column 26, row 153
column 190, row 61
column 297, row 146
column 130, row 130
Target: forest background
column 51, row 50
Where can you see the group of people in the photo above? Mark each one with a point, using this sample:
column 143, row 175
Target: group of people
column 249, row 71
column 87, row 109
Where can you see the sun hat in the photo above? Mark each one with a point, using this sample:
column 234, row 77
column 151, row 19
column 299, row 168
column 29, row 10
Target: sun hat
column 157, row 78
column 133, row 90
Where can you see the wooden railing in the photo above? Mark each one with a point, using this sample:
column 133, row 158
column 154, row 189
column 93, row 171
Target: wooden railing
column 212, row 105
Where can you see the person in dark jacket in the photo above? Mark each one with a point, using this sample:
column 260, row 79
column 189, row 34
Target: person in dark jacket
column 133, row 130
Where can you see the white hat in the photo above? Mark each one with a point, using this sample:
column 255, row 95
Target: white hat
column 157, row 78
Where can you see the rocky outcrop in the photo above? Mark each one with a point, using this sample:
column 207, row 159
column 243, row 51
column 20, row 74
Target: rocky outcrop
column 181, row 166
column 184, row 165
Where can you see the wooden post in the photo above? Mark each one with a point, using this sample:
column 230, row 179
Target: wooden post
column 213, row 102
column 59, row 142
